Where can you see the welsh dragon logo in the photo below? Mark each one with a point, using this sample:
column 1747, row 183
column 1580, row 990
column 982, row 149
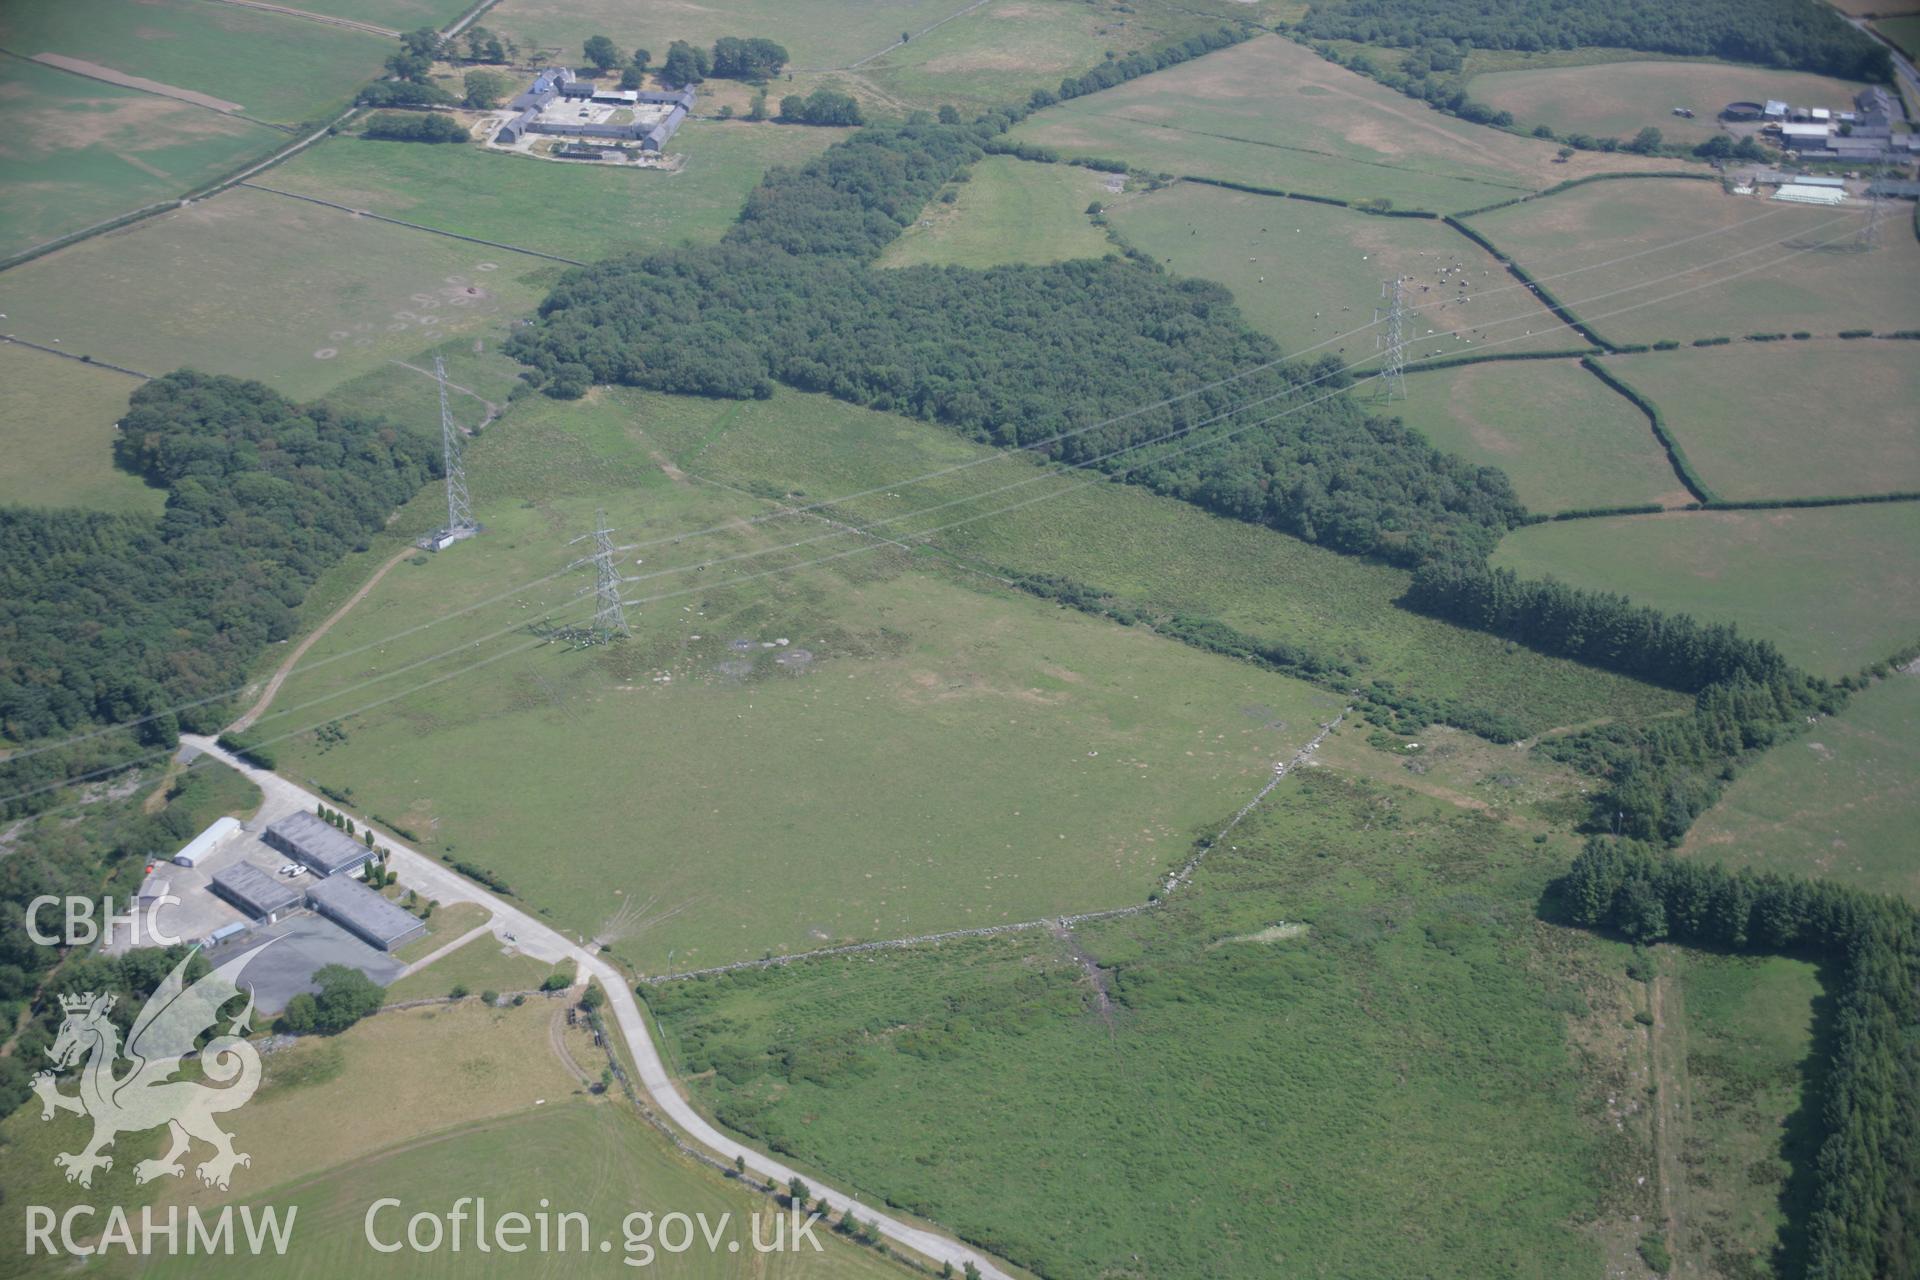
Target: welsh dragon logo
column 147, row 1096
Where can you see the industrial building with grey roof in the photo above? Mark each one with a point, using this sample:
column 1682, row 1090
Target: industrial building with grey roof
column 364, row 913
column 254, row 891
column 322, row 847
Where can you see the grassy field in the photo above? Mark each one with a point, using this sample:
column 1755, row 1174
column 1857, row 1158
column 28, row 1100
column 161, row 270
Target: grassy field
column 1309, row 275
column 817, row 33
column 573, row 210
column 280, row 69
column 322, row 1102
column 1618, row 99
column 1835, row 587
column 56, row 435
column 1001, row 52
column 933, row 749
column 1271, row 112
column 1839, row 802
column 1791, row 420
column 597, row 1159
column 400, row 15
column 1738, row 1035
column 192, row 288
column 1156, row 553
column 1567, row 439
column 1344, row 1052
column 80, row 152
column 484, row 964
column 1796, row 267
column 1904, row 32
column 1008, row 211
column 339, row 1121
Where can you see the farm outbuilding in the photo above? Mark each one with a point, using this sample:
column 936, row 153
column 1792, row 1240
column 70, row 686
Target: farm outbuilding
column 364, row 913
column 260, row 895
column 324, row 848
column 218, row 832
column 1800, row 193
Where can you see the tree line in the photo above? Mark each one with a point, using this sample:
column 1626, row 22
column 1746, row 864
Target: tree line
column 1866, row 1200
column 110, row 618
column 1773, row 33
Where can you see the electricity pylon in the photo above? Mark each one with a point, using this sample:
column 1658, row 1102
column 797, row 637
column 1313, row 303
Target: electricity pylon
column 610, row 617
column 1394, row 345
column 460, row 521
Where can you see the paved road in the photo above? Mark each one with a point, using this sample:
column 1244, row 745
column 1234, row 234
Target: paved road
column 538, row 939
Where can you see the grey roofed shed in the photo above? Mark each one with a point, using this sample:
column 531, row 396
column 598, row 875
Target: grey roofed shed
column 324, row 848
column 255, row 891
column 364, row 913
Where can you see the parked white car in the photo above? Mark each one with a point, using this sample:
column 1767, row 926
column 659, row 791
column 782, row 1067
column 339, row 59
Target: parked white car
column 293, row 870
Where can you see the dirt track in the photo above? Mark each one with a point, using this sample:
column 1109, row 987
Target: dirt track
column 350, row 23
column 94, row 71
column 285, row 669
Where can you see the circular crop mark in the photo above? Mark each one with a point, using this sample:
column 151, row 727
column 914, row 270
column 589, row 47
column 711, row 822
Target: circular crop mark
column 326, row 353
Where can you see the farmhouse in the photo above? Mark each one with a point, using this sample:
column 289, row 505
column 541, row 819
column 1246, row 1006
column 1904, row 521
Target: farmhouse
column 218, row 832
column 260, row 895
column 325, row 849
column 364, row 913
column 559, row 104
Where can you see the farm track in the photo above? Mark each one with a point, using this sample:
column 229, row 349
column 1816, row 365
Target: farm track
column 352, row 24
column 285, row 669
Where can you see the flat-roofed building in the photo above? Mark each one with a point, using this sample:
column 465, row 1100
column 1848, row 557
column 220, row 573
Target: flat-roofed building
column 322, row 847
column 364, row 913
column 258, row 893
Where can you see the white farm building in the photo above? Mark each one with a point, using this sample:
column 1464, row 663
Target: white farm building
column 217, row 833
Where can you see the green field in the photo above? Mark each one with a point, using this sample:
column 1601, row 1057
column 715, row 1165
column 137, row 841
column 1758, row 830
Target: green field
column 1774, row 267
column 1273, row 113
column 277, row 68
column 80, row 152
column 1567, row 440
column 464, row 1089
column 1618, row 99
column 596, row 1159
column 933, row 749
column 1158, row 554
column 1309, row 275
column 1840, row 802
column 1345, row 1051
column 56, row 435
column 401, row 15
column 1790, row 420
column 817, row 33
column 1008, row 211
column 1737, row 1034
column 1835, row 587
column 1904, row 32
column 1004, row 50
column 481, row 965
column 577, row 211
column 260, row 286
